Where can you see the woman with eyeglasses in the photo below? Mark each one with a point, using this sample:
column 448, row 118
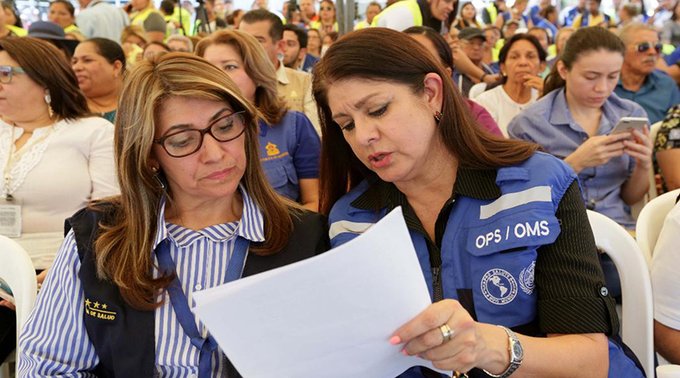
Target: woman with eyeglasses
column 195, row 212
column 327, row 21
column 289, row 145
column 575, row 117
column 55, row 156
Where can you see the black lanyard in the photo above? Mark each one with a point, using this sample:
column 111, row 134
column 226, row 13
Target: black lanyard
column 180, row 303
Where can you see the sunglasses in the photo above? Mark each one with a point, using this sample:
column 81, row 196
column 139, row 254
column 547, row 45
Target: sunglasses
column 644, row 46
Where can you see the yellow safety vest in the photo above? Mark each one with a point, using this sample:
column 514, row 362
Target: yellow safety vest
column 361, row 25
column 317, row 25
column 19, row 32
column 493, row 12
column 71, row 29
column 186, row 20
column 411, row 5
column 138, row 18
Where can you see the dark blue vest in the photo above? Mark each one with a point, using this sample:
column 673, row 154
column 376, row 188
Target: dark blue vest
column 123, row 337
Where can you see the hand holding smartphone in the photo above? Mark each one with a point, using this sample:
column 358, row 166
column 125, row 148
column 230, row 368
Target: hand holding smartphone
column 628, row 124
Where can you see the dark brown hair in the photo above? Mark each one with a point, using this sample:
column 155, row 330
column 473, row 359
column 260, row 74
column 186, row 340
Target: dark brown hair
column 582, row 41
column 49, row 68
column 124, row 248
column 381, row 54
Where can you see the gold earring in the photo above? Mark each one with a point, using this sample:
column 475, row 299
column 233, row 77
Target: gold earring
column 48, row 101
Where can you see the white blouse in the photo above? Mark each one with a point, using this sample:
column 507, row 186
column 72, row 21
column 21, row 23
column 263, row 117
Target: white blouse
column 58, row 171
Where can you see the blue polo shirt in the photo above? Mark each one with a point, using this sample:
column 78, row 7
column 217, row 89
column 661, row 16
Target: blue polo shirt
column 658, row 94
column 289, row 151
column 548, row 122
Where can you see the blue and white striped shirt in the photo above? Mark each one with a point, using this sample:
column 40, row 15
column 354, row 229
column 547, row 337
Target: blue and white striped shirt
column 54, row 340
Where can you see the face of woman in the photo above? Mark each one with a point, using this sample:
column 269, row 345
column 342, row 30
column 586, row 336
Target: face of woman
column 327, row 12
column 226, row 58
column 313, row 42
column 96, row 76
column 135, row 40
column 60, row 15
column 10, row 18
column 390, row 129
column 522, row 61
column 468, row 11
column 592, row 78
column 215, row 170
column 22, row 99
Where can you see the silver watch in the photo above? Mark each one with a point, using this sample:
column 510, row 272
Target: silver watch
column 516, row 355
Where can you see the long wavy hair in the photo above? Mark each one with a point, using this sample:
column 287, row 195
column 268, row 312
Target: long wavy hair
column 258, row 67
column 389, row 56
column 123, row 249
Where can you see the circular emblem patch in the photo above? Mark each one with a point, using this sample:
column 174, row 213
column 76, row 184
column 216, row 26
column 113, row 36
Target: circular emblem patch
column 498, row 286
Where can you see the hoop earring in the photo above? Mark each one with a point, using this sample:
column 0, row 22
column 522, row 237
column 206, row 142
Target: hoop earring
column 48, row 101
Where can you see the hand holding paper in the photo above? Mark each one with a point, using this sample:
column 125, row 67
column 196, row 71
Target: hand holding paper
column 329, row 316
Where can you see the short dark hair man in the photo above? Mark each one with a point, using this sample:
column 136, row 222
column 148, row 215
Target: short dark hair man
column 294, row 86
column 295, row 49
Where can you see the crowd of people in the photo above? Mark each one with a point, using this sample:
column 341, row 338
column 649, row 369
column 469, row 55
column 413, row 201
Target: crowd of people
column 186, row 151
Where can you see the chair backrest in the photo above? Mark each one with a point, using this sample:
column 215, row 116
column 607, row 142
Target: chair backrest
column 651, row 220
column 476, row 90
column 636, row 287
column 18, row 272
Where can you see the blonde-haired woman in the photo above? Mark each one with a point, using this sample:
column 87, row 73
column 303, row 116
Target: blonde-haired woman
column 194, row 202
column 289, row 146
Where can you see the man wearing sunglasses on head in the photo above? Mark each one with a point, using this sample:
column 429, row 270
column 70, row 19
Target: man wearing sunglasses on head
column 640, row 81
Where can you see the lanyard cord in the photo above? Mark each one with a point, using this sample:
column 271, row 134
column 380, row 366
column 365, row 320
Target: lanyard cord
column 180, row 303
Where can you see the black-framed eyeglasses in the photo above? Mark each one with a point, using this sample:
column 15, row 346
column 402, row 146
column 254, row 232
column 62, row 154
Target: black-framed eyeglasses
column 185, row 142
column 644, row 46
column 6, row 73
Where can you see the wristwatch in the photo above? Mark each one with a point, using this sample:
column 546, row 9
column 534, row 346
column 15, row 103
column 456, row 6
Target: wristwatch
column 516, row 355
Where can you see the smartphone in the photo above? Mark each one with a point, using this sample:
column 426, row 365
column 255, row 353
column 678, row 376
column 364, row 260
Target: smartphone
column 628, row 124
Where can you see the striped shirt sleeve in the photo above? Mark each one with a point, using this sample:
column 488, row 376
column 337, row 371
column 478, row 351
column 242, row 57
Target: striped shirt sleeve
column 54, row 341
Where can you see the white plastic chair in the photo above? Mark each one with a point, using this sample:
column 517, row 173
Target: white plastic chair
column 18, row 272
column 476, row 90
column 650, row 221
column 636, row 287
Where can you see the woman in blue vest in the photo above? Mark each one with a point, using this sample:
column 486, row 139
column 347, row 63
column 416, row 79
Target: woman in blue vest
column 195, row 211
column 289, row 145
column 499, row 229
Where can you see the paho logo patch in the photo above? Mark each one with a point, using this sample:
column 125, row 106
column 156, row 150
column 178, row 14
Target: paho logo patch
column 526, row 278
column 498, row 286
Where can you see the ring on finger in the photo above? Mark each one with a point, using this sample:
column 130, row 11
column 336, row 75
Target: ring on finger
column 447, row 333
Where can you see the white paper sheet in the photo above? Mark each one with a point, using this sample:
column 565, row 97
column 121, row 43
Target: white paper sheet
column 328, row 316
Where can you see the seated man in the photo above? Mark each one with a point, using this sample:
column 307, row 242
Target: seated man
column 293, row 85
column 640, row 81
column 295, row 49
column 472, row 41
column 666, row 285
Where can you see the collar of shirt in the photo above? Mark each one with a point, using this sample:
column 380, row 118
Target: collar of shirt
column 250, row 226
column 473, row 183
column 281, row 75
column 647, row 86
column 560, row 114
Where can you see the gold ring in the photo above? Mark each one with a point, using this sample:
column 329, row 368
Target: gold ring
column 447, row 333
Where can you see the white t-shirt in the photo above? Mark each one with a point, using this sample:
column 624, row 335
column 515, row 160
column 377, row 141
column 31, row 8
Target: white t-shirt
column 58, row 171
column 665, row 277
column 501, row 107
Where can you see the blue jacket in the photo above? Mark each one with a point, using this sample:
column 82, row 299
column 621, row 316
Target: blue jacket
column 488, row 246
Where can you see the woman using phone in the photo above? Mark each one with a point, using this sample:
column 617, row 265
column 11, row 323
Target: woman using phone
column 575, row 118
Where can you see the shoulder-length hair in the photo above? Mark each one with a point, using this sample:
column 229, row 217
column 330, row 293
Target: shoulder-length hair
column 385, row 55
column 583, row 41
column 124, row 248
column 48, row 67
column 258, row 67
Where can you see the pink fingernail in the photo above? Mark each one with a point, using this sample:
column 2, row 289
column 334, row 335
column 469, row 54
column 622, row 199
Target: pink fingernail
column 394, row 340
column 404, row 352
